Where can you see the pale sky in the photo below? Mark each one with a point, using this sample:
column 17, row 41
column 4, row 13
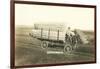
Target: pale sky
column 75, row 17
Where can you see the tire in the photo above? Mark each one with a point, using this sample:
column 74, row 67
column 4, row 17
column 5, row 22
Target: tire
column 67, row 49
column 44, row 44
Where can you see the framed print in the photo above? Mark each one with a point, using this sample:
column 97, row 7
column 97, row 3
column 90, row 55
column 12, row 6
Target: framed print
column 49, row 34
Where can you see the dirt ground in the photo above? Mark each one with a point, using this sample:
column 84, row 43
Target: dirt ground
column 28, row 51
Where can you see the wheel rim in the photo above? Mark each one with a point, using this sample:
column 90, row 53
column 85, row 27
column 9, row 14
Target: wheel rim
column 67, row 49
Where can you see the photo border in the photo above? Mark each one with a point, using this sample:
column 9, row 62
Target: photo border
column 12, row 31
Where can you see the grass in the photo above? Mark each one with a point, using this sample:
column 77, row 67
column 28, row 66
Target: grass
column 28, row 51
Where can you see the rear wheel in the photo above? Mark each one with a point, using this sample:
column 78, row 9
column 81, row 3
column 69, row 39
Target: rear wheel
column 44, row 44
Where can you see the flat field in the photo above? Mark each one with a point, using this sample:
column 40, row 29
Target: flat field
column 28, row 50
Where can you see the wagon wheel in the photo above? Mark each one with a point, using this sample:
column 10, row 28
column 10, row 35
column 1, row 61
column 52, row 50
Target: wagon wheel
column 67, row 49
column 44, row 44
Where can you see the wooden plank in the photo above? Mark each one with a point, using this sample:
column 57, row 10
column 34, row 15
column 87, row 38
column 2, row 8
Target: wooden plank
column 54, row 52
column 58, row 35
column 41, row 32
column 49, row 34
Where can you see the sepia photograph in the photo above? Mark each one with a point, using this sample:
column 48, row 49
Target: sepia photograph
column 46, row 34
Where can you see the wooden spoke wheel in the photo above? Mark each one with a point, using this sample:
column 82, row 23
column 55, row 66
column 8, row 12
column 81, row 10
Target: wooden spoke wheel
column 44, row 44
column 67, row 49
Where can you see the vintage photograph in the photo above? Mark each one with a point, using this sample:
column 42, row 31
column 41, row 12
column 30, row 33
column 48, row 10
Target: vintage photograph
column 49, row 34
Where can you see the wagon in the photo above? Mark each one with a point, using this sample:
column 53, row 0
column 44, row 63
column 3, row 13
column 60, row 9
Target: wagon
column 69, row 44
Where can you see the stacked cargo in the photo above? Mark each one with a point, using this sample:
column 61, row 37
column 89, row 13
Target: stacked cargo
column 49, row 31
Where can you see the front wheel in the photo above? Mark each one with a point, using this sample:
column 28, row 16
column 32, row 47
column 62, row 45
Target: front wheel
column 67, row 49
